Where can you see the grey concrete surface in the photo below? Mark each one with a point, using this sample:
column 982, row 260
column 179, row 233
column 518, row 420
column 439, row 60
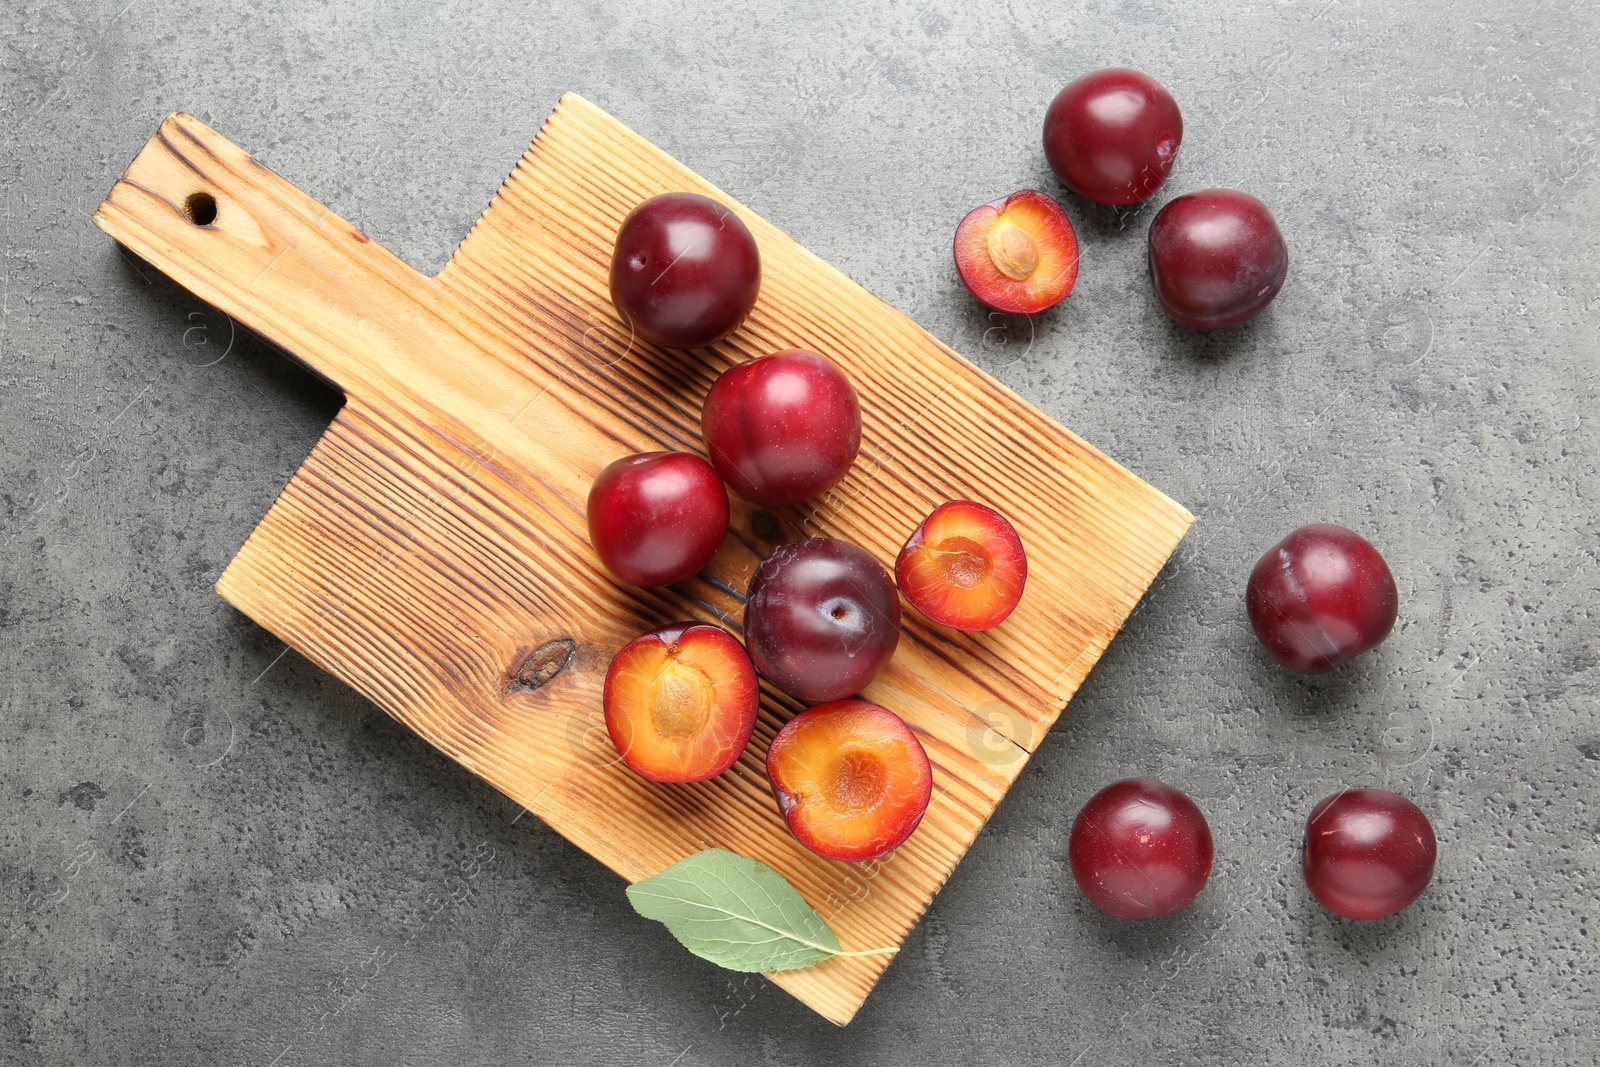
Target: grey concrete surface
column 211, row 853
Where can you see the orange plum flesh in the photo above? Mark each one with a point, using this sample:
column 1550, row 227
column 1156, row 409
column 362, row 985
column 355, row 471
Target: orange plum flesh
column 680, row 702
column 963, row 567
column 851, row 779
column 1017, row 255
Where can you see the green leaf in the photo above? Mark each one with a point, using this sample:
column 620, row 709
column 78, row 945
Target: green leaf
column 738, row 913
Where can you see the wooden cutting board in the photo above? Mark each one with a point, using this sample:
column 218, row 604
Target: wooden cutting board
column 432, row 551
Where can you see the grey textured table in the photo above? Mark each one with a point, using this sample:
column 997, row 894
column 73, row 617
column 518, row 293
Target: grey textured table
column 212, row 853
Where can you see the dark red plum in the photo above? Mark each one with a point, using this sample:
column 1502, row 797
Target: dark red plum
column 657, row 517
column 782, row 428
column 1320, row 596
column 1140, row 849
column 1111, row 136
column 1367, row 853
column 821, row 619
column 1216, row 258
column 685, row 271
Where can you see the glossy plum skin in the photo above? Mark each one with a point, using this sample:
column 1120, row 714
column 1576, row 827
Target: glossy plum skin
column 1111, row 136
column 1367, row 853
column 1320, row 596
column 782, row 428
column 685, row 271
column 1140, row 849
column 821, row 619
column 657, row 517
column 1216, row 258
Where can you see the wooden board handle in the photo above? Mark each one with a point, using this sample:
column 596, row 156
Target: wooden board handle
column 230, row 230
column 223, row 226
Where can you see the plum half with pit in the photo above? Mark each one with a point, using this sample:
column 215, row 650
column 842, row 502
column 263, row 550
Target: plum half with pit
column 821, row 618
column 782, row 428
column 1320, row 596
column 657, row 517
column 850, row 778
column 685, row 271
column 680, row 702
column 1018, row 255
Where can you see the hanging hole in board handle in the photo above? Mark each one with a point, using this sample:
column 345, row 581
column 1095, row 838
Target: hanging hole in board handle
column 200, row 209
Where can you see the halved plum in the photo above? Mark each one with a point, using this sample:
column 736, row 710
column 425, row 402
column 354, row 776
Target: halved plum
column 963, row 567
column 680, row 702
column 851, row 779
column 1017, row 255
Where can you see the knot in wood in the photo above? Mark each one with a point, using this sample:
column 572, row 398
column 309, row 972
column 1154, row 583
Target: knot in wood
column 539, row 667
